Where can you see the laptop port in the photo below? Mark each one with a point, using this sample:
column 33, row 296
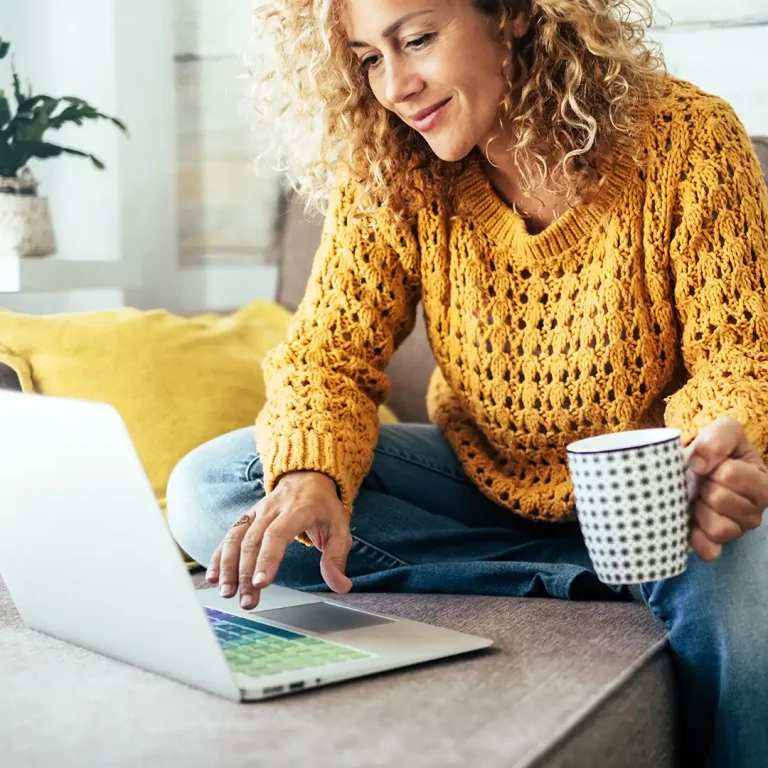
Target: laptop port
column 295, row 686
column 273, row 689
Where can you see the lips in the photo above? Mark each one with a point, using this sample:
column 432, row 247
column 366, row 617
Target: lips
column 419, row 116
column 427, row 119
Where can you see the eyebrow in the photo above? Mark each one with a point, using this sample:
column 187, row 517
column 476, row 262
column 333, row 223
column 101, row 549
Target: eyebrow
column 392, row 28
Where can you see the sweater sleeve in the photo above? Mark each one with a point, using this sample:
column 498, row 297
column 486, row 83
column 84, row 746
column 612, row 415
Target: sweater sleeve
column 325, row 382
column 719, row 258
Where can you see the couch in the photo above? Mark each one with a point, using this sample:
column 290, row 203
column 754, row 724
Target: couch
column 567, row 685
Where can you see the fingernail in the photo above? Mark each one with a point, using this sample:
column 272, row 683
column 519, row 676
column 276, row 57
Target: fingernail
column 245, row 600
column 259, row 578
column 225, row 590
column 698, row 465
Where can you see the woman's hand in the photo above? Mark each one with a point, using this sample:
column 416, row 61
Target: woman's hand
column 250, row 553
column 733, row 490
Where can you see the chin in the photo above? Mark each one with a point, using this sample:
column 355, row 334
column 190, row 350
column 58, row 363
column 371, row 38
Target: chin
column 450, row 150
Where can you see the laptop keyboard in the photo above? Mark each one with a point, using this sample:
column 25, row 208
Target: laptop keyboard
column 258, row 649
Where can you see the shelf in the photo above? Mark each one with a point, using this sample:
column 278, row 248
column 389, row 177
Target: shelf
column 49, row 274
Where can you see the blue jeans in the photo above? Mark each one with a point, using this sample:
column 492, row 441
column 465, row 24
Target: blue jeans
column 420, row 525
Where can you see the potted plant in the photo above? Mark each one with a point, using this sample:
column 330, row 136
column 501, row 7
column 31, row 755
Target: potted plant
column 25, row 224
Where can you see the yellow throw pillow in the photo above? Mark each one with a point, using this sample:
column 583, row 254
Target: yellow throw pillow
column 176, row 381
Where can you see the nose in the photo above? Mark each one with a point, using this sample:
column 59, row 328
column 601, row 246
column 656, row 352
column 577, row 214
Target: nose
column 401, row 80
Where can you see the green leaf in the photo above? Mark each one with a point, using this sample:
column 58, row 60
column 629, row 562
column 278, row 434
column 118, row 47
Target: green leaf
column 45, row 150
column 120, row 124
column 79, row 111
column 17, row 86
column 22, row 131
column 42, row 149
column 5, row 110
column 42, row 102
column 33, row 123
column 68, row 115
column 12, row 158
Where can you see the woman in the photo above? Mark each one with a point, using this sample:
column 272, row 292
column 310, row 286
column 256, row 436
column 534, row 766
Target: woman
column 588, row 238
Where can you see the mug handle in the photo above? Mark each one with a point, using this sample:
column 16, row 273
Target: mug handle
column 692, row 481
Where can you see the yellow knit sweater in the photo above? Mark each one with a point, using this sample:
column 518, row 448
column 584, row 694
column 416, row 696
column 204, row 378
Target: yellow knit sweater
column 644, row 307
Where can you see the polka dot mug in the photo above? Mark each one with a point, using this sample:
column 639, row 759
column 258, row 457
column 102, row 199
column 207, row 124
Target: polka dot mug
column 633, row 494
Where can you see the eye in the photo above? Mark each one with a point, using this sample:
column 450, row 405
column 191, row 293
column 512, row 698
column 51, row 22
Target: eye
column 368, row 62
column 419, row 42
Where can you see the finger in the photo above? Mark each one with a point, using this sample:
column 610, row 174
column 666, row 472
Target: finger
column 275, row 541
column 334, row 561
column 745, row 479
column 704, row 547
column 730, row 505
column 212, row 574
column 230, row 555
column 249, row 551
column 718, row 528
column 716, row 442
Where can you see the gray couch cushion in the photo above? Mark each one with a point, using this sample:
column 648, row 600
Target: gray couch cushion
column 568, row 684
column 761, row 148
column 413, row 363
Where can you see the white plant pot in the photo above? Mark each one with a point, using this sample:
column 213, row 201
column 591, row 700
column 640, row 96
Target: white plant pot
column 25, row 225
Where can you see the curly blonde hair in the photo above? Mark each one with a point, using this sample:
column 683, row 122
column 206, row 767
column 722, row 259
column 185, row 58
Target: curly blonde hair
column 578, row 80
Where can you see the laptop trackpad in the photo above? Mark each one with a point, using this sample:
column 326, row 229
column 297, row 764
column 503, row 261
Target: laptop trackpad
column 323, row 618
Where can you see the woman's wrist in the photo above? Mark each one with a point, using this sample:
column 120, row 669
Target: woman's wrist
column 308, row 475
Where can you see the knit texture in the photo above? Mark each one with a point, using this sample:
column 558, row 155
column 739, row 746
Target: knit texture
column 644, row 307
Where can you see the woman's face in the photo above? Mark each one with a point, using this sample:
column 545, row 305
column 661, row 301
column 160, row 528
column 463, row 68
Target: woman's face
column 437, row 64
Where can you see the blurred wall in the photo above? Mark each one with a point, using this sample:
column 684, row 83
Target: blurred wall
column 227, row 213
column 721, row 47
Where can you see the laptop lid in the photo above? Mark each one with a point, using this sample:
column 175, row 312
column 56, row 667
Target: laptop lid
column 84, row 549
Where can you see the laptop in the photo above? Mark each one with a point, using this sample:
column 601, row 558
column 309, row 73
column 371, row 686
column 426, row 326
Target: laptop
column 87, row 557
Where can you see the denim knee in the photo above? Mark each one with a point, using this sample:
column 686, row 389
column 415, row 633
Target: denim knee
column 210, row 488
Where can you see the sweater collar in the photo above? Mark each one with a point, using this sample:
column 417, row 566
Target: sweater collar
column 479, row 202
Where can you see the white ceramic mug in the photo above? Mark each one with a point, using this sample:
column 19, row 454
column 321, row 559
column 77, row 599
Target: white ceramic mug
column 633, row 495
